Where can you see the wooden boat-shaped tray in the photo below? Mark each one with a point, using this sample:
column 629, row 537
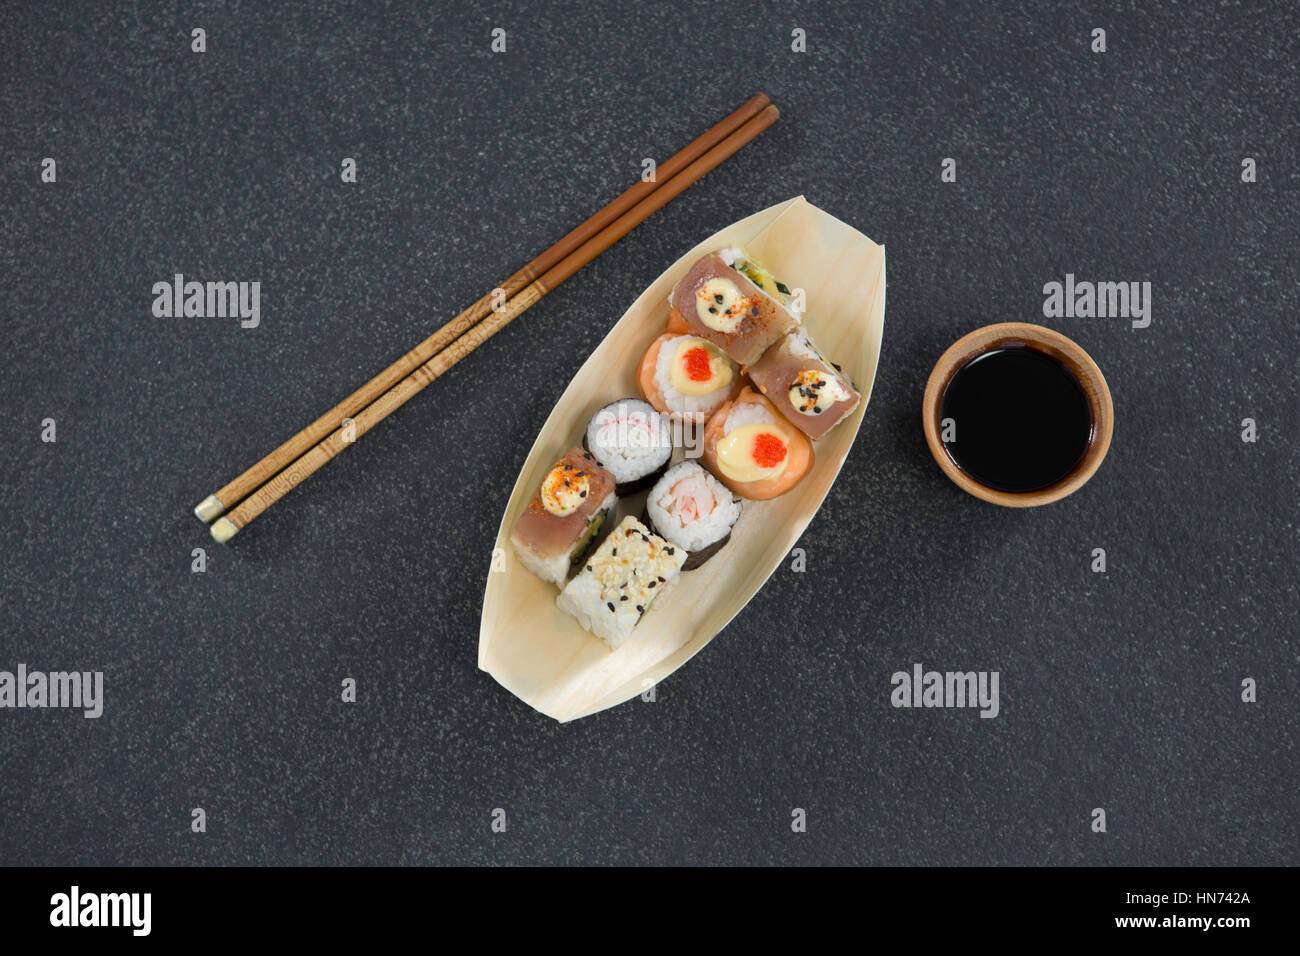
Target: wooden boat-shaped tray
column 539, row 653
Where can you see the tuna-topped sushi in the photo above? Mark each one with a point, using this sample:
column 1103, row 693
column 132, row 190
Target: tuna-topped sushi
column 814, row 394
column 691, row 509
column 556, row 530
column 614, row 589
column 716, row 302
column 687, row 377
column 756, row 453
column 632, row 442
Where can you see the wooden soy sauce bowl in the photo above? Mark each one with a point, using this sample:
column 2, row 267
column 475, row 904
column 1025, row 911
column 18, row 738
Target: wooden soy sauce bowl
column 1053, row 344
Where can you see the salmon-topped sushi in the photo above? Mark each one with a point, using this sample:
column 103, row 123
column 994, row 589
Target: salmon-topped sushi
column 723, row 304
column 687, row 377
column 575, row 500
column 751, row 447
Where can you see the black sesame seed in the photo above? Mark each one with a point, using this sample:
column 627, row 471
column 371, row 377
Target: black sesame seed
column 662, row 578
column 817, row 409
column 713, row 310
column 589, row 567
column 717, row 297
column 624, row 597
column 670, row 550
column 610, row 605
column 651, row 584
column 615, row 551
column 640, row 609
column 582, row 494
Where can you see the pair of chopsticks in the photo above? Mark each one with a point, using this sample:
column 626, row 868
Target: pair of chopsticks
column 301, row 456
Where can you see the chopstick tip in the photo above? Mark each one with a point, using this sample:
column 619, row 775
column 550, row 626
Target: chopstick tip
column 208, row 509
column 224, row 530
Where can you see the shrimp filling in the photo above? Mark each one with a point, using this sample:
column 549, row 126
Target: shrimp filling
column 689, row 500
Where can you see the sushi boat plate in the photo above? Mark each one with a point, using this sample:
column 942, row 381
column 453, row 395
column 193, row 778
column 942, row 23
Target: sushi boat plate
column 543, row 656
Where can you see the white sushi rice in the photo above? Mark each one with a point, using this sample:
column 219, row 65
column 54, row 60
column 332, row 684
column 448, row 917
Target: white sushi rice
column 700, row 532
column 746, row 413
column 801, row 345
column 629, row 570
column 630, row 439
column 687, row 406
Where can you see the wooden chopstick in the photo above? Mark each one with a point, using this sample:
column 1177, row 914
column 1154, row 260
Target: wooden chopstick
column 245, row 484
column 284, row 482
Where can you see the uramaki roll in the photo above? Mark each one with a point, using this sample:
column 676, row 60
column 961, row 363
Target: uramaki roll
column 753, row 450
column 687, row 377
column 557, row 528
column 726, row 307
column 810, row 391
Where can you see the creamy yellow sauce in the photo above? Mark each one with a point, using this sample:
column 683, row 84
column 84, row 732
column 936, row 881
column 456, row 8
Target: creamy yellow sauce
column 720, row 305
column 814, row 391
column 737, row 453
column 563, row 491
column 719, row 369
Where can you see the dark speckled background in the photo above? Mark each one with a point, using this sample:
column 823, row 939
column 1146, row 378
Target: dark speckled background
column 1119, row 691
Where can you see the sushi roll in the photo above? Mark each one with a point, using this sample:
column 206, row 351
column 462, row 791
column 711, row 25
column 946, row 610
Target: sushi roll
column 691, row 509
column 755, row 452
column 615, row 587
column 631, row 441
column 740, row 260
column 555, row 532
column 814, row 394
column 728, row 308
column 687, row 377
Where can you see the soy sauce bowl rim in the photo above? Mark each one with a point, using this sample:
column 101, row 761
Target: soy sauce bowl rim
column 1072, row 357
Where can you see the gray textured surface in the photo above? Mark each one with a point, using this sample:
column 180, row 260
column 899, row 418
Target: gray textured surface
column 1118, row 691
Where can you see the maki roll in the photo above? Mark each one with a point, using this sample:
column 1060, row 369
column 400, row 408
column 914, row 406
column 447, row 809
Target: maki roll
column 687, row 377
column 614, row 589
column 691, row 509
column 814, row 394
column 556, row 530
column 724, row 305
column 756, row 453
column 631, row 441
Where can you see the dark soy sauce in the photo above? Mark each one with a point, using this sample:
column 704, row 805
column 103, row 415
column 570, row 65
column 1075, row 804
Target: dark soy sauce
column 1022, row 419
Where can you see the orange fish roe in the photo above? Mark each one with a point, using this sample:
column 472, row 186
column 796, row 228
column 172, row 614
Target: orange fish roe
column 697, row 364
column 769, row 450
